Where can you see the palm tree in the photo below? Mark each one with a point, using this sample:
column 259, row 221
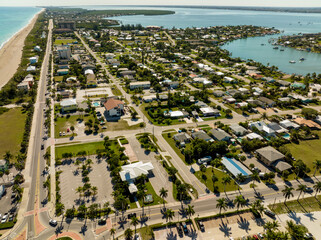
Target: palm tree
column 79, row 190
column 7, row 156
column 94, row 189
column 301, row 188
column 134, row 222
column 169, row 214
column 239, row 201
column 255, row 177
column 128, row 234
column 190, row 211
column 221, row 204
column 271, row 226
column 226, row 180
column 112, row 232
column 317, row 166
column 296, row 231
column 317, row 188
column 287, row 193
column 163, row 194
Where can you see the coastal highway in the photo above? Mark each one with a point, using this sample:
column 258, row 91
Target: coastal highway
column 34, row 196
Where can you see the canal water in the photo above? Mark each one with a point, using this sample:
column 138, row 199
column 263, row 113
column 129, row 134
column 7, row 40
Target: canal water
column 251, row 48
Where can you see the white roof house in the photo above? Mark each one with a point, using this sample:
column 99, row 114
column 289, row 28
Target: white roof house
column 288, row 124
column 252, row 136
column 89, row 71
column 132, row 171
column 68, row 102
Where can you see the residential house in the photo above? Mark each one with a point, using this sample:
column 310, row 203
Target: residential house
column 182, row 138
column 238, row 130
column 218, row 93
column 127, row 73
column 252, row 136
column 283, row 83
column 220, row 135
column 114, row 107
column 262, row 127
column 91, row 80
column 26, row 83
column 276, row 127
column 62, row 72
column 271, row 157
column 33, row 60
column 288, row 124
column 132, row 171
column 176, row 114
column 209, row 111
column 68, row 105
column 266, row 102
column 143, row 85
column 202, row 135
column 309, row 123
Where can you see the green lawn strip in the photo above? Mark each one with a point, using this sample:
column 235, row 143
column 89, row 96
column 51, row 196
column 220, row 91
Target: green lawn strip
column 116, row 91
column 172, row 143
column 58, row 78
column 150, row 190
column 90, row 148
column 121, row 125
column 64, row 41
column 309, row 204
column 12, row 125
column 308, row 151
column 219, row 185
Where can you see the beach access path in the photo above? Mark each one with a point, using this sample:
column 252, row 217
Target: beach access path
column 11, row 52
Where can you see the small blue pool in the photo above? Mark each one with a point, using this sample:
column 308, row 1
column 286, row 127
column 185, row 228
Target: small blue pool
column 96, row 104
column 286, row 136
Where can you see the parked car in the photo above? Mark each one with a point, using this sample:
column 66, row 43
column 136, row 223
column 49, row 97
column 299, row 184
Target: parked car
column 201, row 226
column 131, row 215
column 185, row 228
column 53, row 222
column 42, row 146
column 308, row 235
column 260, row 235
column 179, row 229
column 309, row 190
column 102, row 221
column 269, row 213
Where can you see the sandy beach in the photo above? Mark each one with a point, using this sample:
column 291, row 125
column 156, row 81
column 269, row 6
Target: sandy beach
column 11, row 52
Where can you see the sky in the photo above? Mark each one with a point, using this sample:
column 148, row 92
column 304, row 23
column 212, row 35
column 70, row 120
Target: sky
column 270, row 3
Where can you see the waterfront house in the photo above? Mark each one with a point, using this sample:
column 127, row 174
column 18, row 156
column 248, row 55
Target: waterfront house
column 33, row 60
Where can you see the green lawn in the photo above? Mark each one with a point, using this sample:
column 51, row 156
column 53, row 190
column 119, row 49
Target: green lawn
column 64, row 41
column 172, row 143
column 90, row 148
column 12, row 125
column 116, row 91
column 150, row 190
column 121, row 125
column 308, row 151
column 218, row 185
column 58, row 78
column 310, row 204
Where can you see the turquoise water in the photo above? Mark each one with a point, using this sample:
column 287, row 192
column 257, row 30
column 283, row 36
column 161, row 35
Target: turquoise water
column 290, row 23
column 12, row 19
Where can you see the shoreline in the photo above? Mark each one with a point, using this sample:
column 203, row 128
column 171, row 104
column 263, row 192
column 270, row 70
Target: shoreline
column 11, row 51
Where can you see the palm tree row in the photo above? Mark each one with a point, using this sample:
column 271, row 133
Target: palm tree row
column 288, row 191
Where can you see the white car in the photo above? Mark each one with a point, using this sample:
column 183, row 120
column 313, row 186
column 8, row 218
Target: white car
column 53, row 222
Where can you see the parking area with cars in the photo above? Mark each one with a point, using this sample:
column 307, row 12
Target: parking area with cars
column 183, row 230
column 233, row 227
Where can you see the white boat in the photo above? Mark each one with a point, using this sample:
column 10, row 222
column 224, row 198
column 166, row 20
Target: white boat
column 292, row 61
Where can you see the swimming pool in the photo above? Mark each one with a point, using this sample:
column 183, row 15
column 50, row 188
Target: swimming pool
column 96, row 104
column 235, row 167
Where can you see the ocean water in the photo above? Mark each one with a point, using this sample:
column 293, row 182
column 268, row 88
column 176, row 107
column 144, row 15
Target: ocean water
column 12, row 19
column 290, row 23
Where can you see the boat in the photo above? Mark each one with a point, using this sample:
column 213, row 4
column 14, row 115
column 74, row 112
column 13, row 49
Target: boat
column 262, row 44
column 302, row 59
column 276, row 48
column 281, row 49
column 292, row 61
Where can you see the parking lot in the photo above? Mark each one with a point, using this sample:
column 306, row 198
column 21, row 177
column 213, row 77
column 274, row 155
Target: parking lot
column 235, row 226
column 82, row 94
column 7, row 202
column 71, row 179
column 171, row 233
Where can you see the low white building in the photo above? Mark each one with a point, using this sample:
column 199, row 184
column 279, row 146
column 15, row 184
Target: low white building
column 132, row 171
column 143, row 85
column 208, row 111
